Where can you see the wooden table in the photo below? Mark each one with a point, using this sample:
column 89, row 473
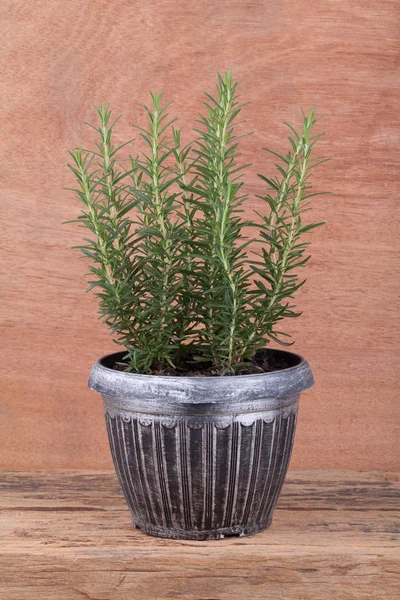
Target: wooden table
column 67, row 535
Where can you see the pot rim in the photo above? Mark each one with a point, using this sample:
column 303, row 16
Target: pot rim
column 138, row 387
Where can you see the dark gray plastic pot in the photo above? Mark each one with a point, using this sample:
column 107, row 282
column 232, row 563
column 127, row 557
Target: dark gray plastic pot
column 201, row 457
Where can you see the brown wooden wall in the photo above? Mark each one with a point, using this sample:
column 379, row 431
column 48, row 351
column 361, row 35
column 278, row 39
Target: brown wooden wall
column 58, row 58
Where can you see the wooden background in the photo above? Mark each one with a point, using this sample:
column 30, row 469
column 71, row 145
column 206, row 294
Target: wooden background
column 58, row 58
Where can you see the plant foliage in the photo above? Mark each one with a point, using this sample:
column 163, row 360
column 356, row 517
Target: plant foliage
column 170, row 262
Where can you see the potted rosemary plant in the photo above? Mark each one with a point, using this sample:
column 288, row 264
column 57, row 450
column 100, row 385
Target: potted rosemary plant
column 200, row 413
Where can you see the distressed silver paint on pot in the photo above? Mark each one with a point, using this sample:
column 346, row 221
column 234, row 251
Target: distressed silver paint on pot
column 201, row 457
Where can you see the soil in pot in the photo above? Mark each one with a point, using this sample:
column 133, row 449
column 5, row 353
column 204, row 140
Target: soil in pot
column 264, row 361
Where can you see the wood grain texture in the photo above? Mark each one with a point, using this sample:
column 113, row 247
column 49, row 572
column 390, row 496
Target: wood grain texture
column 58, row 58
column 67, row 535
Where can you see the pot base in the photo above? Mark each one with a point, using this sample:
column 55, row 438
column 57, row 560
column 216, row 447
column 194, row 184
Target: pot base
column 212, row 534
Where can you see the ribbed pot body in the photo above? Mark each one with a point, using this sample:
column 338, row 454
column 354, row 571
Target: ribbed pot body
column 203, row 457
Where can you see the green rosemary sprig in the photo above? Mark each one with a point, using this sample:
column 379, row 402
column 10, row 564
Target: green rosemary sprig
column 282, row 231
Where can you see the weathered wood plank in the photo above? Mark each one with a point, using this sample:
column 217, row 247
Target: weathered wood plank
column 67, row 535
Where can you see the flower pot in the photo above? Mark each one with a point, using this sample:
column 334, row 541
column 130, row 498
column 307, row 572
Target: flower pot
column 201, row 457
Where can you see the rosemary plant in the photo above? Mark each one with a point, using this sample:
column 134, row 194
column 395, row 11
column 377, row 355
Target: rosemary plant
column 170, row 262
